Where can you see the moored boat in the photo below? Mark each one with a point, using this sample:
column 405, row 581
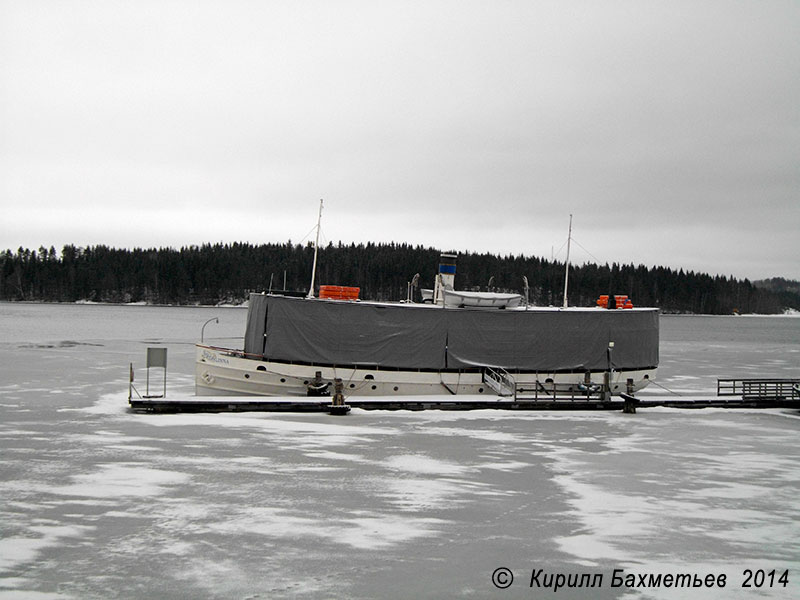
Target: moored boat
column 465, row 345
column 458, row 299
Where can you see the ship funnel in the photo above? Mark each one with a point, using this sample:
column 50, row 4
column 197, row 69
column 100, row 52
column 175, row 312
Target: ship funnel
column 445, row 278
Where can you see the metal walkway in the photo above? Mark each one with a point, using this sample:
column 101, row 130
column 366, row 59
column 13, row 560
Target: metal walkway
column 760, row 389
column 503, row 384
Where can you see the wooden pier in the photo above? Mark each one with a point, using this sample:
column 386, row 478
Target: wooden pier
column 547, row 395
column 626, row 403
column 731, row 393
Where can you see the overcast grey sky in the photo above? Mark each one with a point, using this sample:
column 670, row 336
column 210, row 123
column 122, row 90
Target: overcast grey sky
column 671, row 130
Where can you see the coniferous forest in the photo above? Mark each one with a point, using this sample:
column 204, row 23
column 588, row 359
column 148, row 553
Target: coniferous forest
column 227, row 273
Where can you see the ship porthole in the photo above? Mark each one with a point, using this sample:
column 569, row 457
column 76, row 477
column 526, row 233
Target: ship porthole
column 369, row 376
column 283, row 380
column 480, row 390
column 247, row 375
column 352, row 385
column 305, row 382
column 647, row 376
column 374, row 387
column 548, row 380
column 396, row 388
column 261, row 368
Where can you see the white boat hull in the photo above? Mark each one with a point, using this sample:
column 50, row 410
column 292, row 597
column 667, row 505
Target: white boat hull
column 453, row 299
column 228, row 372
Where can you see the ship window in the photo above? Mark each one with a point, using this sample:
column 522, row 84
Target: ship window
column 374, row 387
column 261, row 368
column 305, row 382
column 283, row 380
column 647, row 376
column 548, row 380
column 396, row 388
column 247, row 375
column 352, row 385
column 480, row 390
column 369, row 376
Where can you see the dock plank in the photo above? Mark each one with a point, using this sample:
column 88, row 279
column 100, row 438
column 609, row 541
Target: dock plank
column 200, row 404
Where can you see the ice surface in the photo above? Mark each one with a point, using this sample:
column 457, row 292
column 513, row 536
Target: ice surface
column 19, row 550
column 120, row 480
column 98, row 502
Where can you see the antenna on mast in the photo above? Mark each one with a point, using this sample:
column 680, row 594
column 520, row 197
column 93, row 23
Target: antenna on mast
column 316, row 248
column 566, row 271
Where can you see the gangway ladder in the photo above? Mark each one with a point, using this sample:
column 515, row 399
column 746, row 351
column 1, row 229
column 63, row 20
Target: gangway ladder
column 156, row 358
column 500, row 381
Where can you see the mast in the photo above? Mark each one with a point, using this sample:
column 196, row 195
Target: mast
column 316, row 248
column 566, row 270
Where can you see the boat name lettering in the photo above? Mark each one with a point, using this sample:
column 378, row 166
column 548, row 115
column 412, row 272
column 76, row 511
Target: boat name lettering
column 214, row 357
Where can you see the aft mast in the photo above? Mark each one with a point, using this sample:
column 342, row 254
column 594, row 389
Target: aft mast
column 566, row 270
column 316, row 248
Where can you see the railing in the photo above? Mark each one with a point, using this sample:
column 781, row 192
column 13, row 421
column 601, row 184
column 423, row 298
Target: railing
column 504, row 384
column 500, row 381
column 550, row 391
column 759, row 388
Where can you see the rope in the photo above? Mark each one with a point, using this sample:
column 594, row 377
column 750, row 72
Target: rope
column 325, row 240
column 307, row 235
column 558, row 252
column 349, row 380
column 597, row 260
column 665, row 388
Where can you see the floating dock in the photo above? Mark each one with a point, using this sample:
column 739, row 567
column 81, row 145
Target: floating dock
column 739, row 393
column 246, row 404
column 731, row 393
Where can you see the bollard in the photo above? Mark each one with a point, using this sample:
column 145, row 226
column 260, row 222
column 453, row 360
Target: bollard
column 338, row 392
column 337, row 405
column 630, row 404
column 318, row 387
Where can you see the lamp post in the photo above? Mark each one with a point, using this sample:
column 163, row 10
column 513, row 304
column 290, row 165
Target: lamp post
column 203, row 329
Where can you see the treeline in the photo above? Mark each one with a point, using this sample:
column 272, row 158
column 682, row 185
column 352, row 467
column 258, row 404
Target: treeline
column 779, row 284
column 212, row 274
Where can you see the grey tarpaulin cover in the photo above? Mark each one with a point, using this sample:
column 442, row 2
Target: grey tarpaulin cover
column 424, row 337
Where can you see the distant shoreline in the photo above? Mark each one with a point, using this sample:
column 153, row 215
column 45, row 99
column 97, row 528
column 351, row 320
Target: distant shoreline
column 791, row 313
column 129, row 304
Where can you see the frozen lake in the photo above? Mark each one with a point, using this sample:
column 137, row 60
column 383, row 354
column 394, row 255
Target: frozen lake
column 100, row 503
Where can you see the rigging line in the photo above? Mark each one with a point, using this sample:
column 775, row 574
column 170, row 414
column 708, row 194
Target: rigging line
column 306, row 235
column 559, row 250
column 597, row 260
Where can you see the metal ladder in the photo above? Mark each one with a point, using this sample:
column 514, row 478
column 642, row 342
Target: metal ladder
column 500, row 381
